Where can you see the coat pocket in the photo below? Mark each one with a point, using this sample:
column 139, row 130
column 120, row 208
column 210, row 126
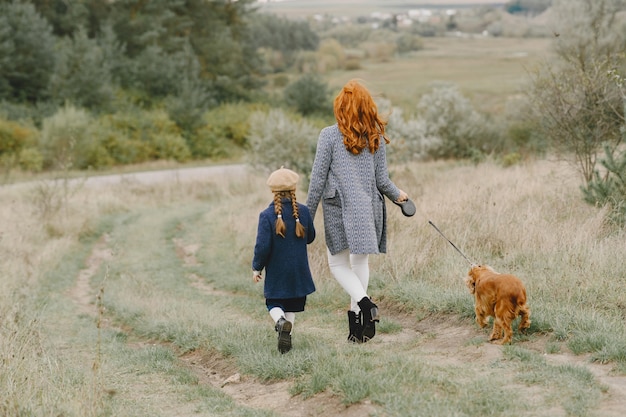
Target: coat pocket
column 331, row 197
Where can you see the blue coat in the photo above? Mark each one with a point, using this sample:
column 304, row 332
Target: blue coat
column 351, row 189
column 285, row 260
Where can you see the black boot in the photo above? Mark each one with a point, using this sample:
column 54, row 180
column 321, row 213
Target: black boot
column 356, row 328
column 369, row 310
column 283, row 328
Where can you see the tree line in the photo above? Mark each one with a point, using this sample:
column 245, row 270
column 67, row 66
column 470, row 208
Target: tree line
column 94, row 84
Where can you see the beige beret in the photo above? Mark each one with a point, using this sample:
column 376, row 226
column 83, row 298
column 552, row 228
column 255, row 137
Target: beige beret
column 282, row 179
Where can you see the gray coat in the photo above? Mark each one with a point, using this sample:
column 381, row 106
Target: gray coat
column 351, row 189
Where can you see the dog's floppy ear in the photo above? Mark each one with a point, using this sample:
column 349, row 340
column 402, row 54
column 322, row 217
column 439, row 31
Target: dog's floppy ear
column 470, row 283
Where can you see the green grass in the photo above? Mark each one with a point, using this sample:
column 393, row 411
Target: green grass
column 489, row 71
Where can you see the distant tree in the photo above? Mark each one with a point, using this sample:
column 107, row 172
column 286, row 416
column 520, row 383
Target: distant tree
column 308, row 95
column 82, row 74
column 114, row 52
column 26, row 52
column 350, row 36
column 578, row 105
column 528, row 7
column 155, row 72
column 192, row 95
column 216, row 30
column 281, row 34
column 63, row 16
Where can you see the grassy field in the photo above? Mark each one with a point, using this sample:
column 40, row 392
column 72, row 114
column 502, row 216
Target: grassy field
column 489, row 71
column 134, row 299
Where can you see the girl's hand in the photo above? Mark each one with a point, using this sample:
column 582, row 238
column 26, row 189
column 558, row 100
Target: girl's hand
column 256, row 276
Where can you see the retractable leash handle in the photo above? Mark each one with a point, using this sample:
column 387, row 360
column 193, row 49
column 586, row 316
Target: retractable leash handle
column 472, row 264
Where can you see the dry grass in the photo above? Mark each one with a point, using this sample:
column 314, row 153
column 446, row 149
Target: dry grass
column 527, row 219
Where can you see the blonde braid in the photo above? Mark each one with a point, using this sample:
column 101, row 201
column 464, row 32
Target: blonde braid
column 300, row 232
column 278, row 209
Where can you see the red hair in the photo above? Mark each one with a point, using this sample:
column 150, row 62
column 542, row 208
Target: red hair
column 358, row 119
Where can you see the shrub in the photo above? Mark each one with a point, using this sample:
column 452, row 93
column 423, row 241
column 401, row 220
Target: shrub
column 170, row 146
column 225, row 129
column 307, row 62
column 332, row 54
column 278, row 138
column 379, row 51
column 308, row 95
column 14, row 137
column 451, row 120
column 30, row 159
column 408, row 136
column 353, row 64
column 408, row 42
column 609, row 189
column 138, row 136
column 65, row 140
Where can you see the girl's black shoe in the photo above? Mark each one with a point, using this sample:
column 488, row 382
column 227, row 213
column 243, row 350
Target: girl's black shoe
column 369, row 312
column 283, row 327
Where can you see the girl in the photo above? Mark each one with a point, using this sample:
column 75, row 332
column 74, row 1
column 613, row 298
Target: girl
column 284, row 231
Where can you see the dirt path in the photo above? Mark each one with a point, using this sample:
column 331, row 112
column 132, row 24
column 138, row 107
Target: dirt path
column 147, row 177
column 443, row 341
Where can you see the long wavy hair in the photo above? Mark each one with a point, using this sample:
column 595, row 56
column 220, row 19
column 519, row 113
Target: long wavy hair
column 358, row 119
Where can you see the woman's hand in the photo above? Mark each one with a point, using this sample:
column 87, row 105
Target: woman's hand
column 403, row 197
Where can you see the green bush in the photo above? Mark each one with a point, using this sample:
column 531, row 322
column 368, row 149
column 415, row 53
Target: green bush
column 72, row 138
column 15, row 136
column 225, row 130
column 170, row 146
column 609, row 189
column 309, row 94
column 331, row 53
column 408, row 42
column 30, row 159
column 65, row 141
column 451, row 120
column 278, row 138
column 135, row 136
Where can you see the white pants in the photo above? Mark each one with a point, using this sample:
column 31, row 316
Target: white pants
column 352, row 272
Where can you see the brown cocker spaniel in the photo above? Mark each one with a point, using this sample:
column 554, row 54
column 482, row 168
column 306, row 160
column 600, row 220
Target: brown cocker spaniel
column 502, row 296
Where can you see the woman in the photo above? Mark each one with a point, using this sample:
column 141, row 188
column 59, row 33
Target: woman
column 350, row 177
